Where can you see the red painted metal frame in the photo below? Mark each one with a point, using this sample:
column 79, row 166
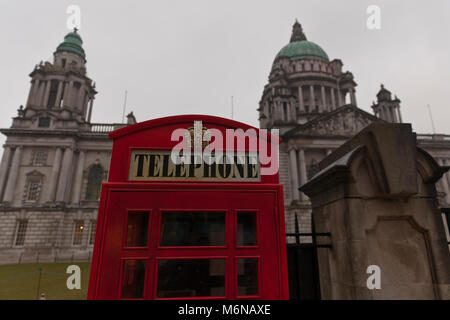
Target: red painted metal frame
column 155, row 134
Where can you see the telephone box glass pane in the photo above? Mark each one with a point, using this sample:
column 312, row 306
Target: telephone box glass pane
column 246, row 229
column 137, row 229
column 247, row 277
column 187, row 228
column 133, row 279
column 191, row 278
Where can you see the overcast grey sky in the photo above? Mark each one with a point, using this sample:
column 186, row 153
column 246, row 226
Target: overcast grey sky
column 184, row 57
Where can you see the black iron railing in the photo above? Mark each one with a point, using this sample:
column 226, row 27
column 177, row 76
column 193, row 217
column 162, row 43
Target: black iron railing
column 313, row 234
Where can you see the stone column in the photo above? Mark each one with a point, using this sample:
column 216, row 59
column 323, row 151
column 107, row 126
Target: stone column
column 352, row 96
column 30, row 93
column 388, row 114
column 399, row 114
column 394, row 114
column 65, row 175
column 447, row 163
column 4, row 168
column 47, row 93
column 65, row 93
column 294, row 173
column 68, row 94
column 300, row 99
column 85, row 105
column 90, row 110
column 80, row 99
column 303, row 175
column 312, row 104
column 279, row 111
column 13, row 175
column 444, row 182
column 324, row 101
column 78, row 177
column 340, row 99
column 58, row 95
column 333, row 99
column 34, row 100
column 40, row 93
column 382, row 115
column 293, row 111
column 54, row 175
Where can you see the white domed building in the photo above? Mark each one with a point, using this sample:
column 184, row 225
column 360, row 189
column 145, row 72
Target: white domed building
column 312, row 101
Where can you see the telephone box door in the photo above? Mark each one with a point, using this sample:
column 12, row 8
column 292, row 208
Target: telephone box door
column 182, row 243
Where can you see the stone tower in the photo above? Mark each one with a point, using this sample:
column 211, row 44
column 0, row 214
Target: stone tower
column 62, row 89
column 53, row 164
column 387, row 108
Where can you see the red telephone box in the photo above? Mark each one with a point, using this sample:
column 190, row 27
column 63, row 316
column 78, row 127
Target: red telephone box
column 196, row 231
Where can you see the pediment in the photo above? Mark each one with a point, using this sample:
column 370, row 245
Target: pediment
column 344, row 121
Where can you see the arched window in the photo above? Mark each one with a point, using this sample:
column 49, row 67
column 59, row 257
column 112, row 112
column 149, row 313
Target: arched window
column 94, row 182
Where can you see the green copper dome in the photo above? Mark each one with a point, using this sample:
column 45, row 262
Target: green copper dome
column 73, row 43
column 302, row 49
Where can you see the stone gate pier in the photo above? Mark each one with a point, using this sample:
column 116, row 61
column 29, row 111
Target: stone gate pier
column 376, row 195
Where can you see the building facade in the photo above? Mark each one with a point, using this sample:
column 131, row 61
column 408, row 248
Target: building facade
column 55, row 158
column 312, row 101
column 53, row 164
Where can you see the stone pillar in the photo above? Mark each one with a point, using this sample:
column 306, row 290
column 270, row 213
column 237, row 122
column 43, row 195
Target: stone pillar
column 90, row 110
column 78, row 178
column 333, row 99
column 13, row 175
column 54, row 175
column 68, row 100
column 34, row 100
column 85, row 105
column 41, row 91
column 377, row 215
column 340, row 98
column 394, row 114
column 303, row 174
column 399, row 115
column 384, row 113
column 447, row 163
column 293, row 111
column 58, row 95
column 65, row 175
column 444, row 183
column 80, row 99
column 4, row 168
column 47, row 93
column 294, row 173
column 300, row 99
column 30, row 93
column 324, row 101
column 279, row 111
column 352, row 96
column 65, row 93
column 312, row 98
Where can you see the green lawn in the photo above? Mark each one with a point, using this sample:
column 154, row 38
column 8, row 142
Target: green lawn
column 20, row 281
